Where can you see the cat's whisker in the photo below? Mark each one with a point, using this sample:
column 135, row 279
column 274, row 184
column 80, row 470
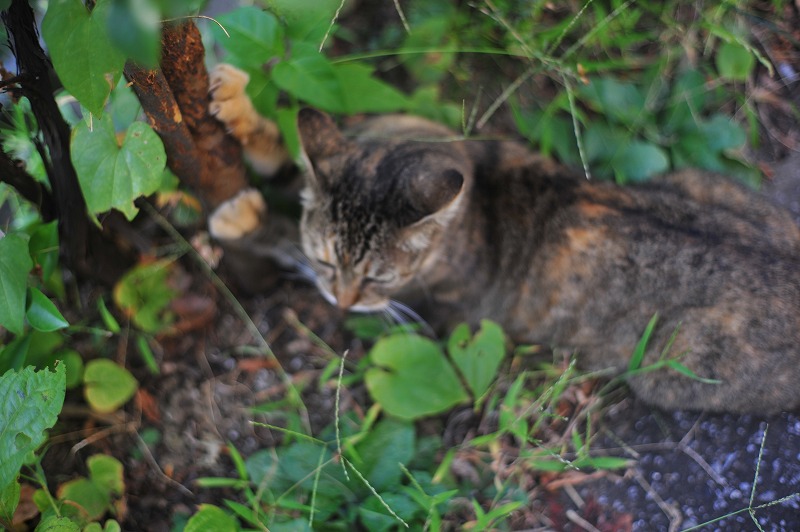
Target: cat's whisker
column 397, row 320
column 407, row 312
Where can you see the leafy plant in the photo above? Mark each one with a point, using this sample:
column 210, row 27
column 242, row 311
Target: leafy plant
column 30, row 402
column 412, row 378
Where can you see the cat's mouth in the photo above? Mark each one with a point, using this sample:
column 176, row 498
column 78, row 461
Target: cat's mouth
column 353, row 304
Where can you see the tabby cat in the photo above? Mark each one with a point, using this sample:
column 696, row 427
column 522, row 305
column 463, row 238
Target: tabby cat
column 399, row 208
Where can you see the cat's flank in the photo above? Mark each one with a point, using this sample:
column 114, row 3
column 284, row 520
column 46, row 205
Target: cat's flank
column 399, row 208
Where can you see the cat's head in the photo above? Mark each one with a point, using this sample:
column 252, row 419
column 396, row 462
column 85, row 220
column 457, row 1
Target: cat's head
column 374, row 210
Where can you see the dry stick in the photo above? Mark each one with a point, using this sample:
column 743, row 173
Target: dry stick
column 330, row 27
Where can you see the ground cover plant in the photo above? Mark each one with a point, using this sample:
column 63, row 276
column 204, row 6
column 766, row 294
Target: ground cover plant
column 106, row 282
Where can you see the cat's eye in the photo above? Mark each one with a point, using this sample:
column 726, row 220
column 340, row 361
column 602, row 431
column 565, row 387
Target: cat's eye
column 328, row 270
column 383, row 279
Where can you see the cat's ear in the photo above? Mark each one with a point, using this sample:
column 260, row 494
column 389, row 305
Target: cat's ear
column 319, row 134
column 435, row 194
column 436, row 197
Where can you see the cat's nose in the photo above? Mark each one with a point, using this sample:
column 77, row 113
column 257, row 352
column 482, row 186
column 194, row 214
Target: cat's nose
column 346, row 296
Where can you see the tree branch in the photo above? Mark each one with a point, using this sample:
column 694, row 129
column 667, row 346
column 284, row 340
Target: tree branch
column 13, row 173
column 175, row 100
column 34, row 82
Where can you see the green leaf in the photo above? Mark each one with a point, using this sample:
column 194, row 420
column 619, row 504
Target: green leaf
column 30, row 402
column 15, row 263
column 306, row 20
column 376, row 518
column 365, row 94
column 58, row 524
column 638, row 353
column 479, row 357
column 106, row 472
column 9, row 499
column 682, row 369
column 639, row 160
column 42, row 314
column 144, row 294
column 87, row 63
column 621, row 102
column 113, row 175
column 389, row 443
column 310, row 76
column 107, row 386
column 254, row 35
column 412, row 378
column 134, row 27
column 43, row 248
column 734, row 61
column 74, row 363
column 87, row 495
column 211, row 517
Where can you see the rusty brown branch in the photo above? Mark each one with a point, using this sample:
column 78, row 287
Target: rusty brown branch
column 175, row 100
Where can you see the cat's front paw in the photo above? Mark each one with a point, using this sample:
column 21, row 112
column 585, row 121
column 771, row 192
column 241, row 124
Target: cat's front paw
column 229, row 103
column 238, row 216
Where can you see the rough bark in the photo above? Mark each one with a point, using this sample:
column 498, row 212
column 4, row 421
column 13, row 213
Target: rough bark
column 13, row 173
column 35, row 84
column 175, row 100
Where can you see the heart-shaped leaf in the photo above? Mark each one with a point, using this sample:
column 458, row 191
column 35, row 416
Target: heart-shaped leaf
column 412, row 377
column 87, row 63
column 15, row 263
column 479, row 357
column 112, row 175
column 107, row 386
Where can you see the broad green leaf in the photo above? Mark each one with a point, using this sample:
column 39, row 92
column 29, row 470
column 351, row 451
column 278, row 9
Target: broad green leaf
column 88, row 495
column 639, row 160
column 734, row 61
column 144, row 294
column 74, row 363
column 30, row 402
column 254, row 36
column 134, row 27
column 113, row 175
column 310, row 76
column 14, row 355
column 722, row 133
column 15, row 263
column 58, row 524
column 87, row 63
column 106, row 472
column 621, row 102
column 211, row 517
column 376, row 518
column 306, row 20
column 366, row 94
column 478, row 357
column 412, row 378
column 42, row 314
column 43, row 247
column 9, row 499
column 107, row 385
column 686, row 101
column 389, row 443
